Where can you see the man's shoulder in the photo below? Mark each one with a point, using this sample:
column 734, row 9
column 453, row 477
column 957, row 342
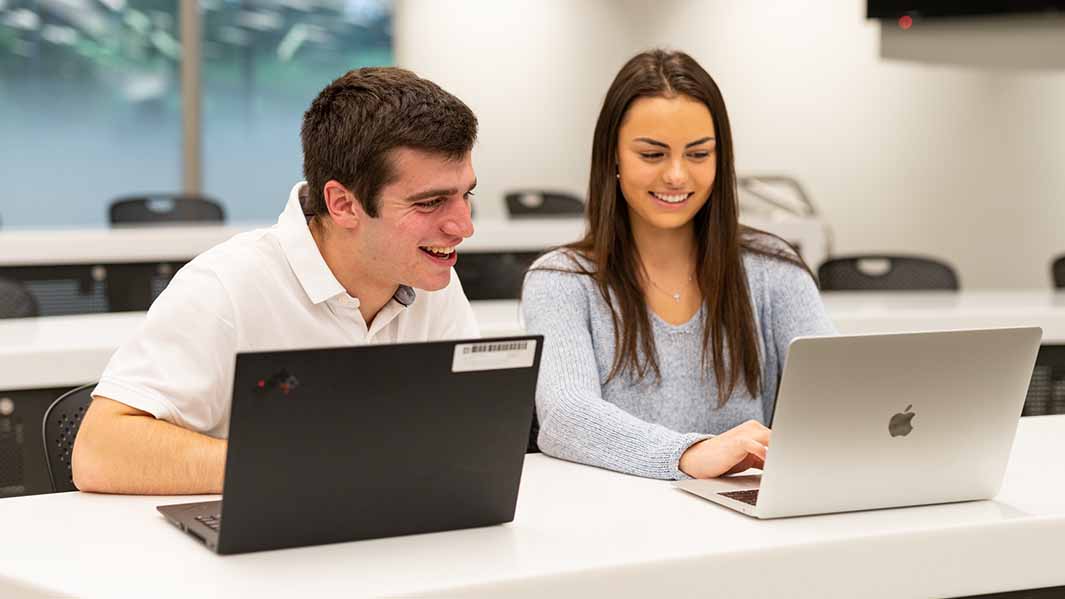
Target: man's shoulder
column 243, row 248
column 242, row 262
column 245, row 256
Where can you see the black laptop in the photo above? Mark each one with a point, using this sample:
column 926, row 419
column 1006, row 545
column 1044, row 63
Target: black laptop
column 341, row 444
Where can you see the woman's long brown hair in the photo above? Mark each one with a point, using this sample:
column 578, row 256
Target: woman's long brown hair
column 730, row 334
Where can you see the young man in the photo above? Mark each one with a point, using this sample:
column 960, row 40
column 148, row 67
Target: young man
column 362, row 253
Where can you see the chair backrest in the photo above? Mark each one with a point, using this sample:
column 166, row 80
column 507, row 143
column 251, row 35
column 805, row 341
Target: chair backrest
column 1057, row 272
column 165, row 209
column 62, row 420
column 16, row 301
column 886, row 273
column 542, row 204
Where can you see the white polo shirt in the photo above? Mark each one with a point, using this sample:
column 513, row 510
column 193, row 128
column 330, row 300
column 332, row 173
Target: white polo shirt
column 267, row 289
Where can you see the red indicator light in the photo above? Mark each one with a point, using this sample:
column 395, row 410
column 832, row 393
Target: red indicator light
column 905, row 22
column 261, row 384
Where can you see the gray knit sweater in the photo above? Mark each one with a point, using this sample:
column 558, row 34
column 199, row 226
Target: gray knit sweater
column 638, row 426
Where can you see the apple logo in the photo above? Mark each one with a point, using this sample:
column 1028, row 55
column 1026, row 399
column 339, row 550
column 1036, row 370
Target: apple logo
column 900, row 424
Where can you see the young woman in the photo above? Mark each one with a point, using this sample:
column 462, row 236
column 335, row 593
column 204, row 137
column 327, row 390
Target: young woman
column 667, row 325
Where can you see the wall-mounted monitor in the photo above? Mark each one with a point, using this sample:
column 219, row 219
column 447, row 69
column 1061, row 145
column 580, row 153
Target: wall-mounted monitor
column 894, row 9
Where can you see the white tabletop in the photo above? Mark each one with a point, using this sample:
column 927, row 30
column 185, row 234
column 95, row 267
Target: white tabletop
column 62, row 351
column 578, row 531
column 894, row 311
column 182, row 243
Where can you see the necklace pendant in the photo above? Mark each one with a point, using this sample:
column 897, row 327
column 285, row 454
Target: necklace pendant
column 676, row 297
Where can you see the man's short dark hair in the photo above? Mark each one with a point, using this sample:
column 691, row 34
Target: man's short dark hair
column 353, row 125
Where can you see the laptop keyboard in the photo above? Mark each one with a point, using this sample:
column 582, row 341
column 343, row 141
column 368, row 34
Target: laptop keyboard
column 748, row 497
column 212, row 522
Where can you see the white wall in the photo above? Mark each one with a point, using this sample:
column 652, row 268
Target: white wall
column 534, row 72
column 961, row 161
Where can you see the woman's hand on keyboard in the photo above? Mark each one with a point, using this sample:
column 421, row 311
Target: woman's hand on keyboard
column 734, row 450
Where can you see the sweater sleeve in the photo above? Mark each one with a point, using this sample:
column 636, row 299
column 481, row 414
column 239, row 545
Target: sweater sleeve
column 576, row 423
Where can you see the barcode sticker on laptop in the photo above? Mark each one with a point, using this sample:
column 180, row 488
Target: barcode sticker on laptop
column 494, row 355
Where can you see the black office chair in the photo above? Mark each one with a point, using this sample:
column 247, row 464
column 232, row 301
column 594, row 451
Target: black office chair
column 1057, row 272
column 165, row 209
column 62, row 420
column 135, row 286
column 542, row 204
column 16, row 301
column 886, row 273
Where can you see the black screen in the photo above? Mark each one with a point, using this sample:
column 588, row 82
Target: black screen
column 893, row 9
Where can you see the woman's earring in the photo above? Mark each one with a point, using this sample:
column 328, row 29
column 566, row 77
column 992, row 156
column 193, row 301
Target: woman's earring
column 618, row 175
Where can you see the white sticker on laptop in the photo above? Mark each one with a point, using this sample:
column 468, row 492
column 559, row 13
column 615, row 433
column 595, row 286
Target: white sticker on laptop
column 494, row 355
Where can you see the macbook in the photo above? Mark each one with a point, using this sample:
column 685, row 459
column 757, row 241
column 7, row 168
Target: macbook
column 879, row 421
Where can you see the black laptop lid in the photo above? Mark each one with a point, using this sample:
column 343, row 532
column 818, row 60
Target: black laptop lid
column 351, row 443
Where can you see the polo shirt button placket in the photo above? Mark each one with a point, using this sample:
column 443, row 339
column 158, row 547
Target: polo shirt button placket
column 350, row 306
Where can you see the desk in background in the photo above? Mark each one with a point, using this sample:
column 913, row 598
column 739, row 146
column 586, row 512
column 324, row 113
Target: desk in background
column 78, row 271
column 864, row 312
column 75, row 271
column 123, row 245
column 900, row 311
column 130, row 244
column 578, row 531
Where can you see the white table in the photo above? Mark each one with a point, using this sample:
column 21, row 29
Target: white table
column 181, row 243
column 122, row 245
column 578, row 531
column 895, row 311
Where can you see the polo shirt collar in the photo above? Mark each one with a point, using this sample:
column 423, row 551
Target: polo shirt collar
column 307, row 262
column 302, row 252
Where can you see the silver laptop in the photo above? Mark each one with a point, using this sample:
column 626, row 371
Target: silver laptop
column 877, row 421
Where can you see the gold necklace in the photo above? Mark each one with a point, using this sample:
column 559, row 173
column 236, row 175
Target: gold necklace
column 676, row 294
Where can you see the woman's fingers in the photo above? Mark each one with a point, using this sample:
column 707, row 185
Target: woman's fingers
column 757, row 431
column 752, row 429
column 756, row 449
column 747, row 453
column 724, row 454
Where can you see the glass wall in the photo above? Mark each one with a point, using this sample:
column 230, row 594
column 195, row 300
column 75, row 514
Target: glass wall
column 263, row 63
column 89, row 106
column 90, row 99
